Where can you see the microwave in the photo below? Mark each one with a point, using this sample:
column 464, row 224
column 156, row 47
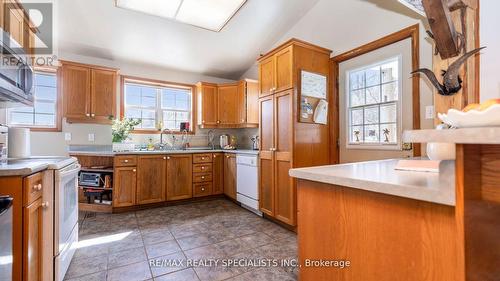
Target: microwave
column 90, row 179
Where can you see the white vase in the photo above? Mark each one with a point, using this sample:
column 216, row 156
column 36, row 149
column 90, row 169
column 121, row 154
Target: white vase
column 441, row 151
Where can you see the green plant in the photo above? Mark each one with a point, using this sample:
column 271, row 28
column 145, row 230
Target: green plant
column 121, row 128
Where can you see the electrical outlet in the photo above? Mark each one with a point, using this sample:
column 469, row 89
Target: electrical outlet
column 91, row 137
column 429, row 112
column 67, row 136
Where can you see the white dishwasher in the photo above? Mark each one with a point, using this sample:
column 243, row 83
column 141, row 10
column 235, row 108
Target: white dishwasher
column 247, row 187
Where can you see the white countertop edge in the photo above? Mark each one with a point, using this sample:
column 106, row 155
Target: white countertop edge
column 444, row 196
column 112, row 153
column 486, row 135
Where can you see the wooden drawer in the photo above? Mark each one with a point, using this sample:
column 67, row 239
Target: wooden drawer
column 202, row 189
column 202, row 168
column 202, row 158
column 202, row 177
column 33, row 188
column 125, row 161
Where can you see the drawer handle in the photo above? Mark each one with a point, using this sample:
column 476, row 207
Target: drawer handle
column 37, row 187
column 202, row 189
column 168, row 157
column 164, row 158
column 45, row 205
column 202, row 167
column 202, row 177
column 202, row 158
column 93, row 114
column 134, row 170
column 88, row 114
column 215, row 156
column 125, row 161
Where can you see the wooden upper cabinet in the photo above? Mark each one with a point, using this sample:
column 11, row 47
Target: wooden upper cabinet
column 284, row 69
column 207, row 104
column 230, row 175
column 267, row 76
column 76, row 91
column 89, row 93
column 228, row 104
column 151, row 179
column 15, row 21
column 218, row 173
column 103, row 91
column 179, row 177
column 248, row 103
column 33, row 241
column 124, row 186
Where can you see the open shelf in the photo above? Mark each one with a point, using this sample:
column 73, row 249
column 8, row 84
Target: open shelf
column 107, row 170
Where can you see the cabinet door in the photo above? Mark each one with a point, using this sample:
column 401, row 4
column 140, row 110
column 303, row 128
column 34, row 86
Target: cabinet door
column 151, row 179
column 266, row 157
column 284, row 69
column 32, row 241
column 242, row 102
column 76, row 92
column 179, row 177
column 266, row 77
column 125, row 186
column 285, row 197
column 252, row 95
column 103, row 95
column 218, row 173
column 207, row 105
column 228, row 104
column 230, row 175
column 15, row 22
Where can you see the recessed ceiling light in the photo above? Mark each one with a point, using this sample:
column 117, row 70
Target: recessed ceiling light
column 208, row 14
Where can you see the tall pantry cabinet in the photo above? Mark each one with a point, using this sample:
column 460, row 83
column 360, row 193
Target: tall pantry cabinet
column 286, row 143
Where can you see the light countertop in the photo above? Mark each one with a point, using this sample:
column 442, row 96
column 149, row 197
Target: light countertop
column 381, row 177
column 28, row 166
column 487, row 135
column 106, row 151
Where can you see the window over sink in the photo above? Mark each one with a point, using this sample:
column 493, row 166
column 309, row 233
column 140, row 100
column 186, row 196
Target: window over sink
column 159, row 105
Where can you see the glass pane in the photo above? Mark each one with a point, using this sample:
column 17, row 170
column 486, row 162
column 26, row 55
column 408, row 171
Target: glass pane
column 357, row 80
column 356, row 134
column 45, row 93
column 372, row 133
column 390, row 92
column 373, row 95
column 44, row 107
column 357, row 98
column 148, row 124
column 373, row 76
column 389, row 133
column 168, row 100
column 45, row 120
column 357, row 116
column 148, row 101
column 371, row 115
column 132, row 95
column 168, row 116
column 22, row 109
column 133, row 113
column 388, row 113
column 21, row 118
column 390, row 71
column 149, row 114
column 45, row 80
column 149, row 92
column 170, row 125
column 182, row 116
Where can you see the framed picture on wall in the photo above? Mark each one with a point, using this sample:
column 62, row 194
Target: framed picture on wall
column 313, row 106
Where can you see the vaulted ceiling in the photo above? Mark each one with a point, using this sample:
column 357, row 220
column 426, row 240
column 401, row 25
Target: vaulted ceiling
column 97, row 28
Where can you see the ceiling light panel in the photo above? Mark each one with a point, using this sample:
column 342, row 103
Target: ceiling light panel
column 208, row 14
column 161, row 8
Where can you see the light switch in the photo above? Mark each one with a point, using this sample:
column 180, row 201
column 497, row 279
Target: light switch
column 67, row 136
column 429, row 112
column 92, row 137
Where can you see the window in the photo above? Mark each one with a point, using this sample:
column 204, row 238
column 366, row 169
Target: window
column 373, row 97
column 44, row 113
column 164, row 106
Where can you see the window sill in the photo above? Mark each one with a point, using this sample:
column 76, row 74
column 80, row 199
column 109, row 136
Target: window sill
column 394, row 147
column 38, row 129
column 153, row 132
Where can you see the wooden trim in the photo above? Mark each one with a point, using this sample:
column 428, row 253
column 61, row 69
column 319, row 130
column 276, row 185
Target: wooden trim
column 100, row 67
column 153, row 82
column 412, row 32
column 294, row 41
column 477, row 70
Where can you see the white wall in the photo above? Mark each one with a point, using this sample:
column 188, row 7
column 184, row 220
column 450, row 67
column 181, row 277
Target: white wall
column 490, row 57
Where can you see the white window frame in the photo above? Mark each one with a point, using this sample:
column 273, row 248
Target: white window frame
column 158, row 108
column 399, row 119
column 56, row 105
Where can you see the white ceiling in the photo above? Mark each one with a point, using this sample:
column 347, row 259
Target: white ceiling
column 97, row 28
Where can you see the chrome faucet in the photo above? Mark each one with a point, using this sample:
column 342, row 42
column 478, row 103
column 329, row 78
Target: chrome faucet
column 166, row 132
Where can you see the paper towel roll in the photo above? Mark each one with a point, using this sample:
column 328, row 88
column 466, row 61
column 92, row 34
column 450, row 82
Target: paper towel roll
column 19, row 143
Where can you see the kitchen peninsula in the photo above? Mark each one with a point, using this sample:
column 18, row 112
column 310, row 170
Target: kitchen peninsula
column 401, row 225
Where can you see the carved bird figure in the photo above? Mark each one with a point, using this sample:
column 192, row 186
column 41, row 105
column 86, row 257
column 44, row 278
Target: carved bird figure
column 452, row 83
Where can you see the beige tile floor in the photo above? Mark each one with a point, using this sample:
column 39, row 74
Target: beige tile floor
column 123, row 246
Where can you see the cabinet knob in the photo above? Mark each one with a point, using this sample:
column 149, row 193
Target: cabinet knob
column 242, row 120
column 227, row 156
column 88, row 114
column 164, row 158
column 93, row 114
column 37, row 187
column 215, row 156
column 202, row 167
column 202, row 177
column 218, row 121
column 134, row 170
column 45, row 205
column 203, row 122
column 202, row 189
column 125, row 161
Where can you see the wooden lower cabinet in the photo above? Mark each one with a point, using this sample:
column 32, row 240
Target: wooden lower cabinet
column 230, row 175
column 266, row 183
column 33, row 241
column 218, row 173
column 151, row 179
column 125, row 186
column 179, row 177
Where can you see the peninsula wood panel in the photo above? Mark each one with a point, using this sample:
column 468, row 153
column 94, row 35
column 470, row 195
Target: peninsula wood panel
column 230, row 175
column 384, row 237
column 124, row 186
column 179, row 177
column 218, row 173
column 103, row 95
column 151, row 179
column 266, row 156
column 32, row 241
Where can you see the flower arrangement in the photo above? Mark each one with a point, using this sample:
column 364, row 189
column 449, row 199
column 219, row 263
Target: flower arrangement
column 121, row 128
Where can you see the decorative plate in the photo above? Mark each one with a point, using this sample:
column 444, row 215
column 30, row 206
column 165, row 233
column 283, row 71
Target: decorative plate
column 489, row 117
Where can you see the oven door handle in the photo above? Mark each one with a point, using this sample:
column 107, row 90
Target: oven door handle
column 74, row 170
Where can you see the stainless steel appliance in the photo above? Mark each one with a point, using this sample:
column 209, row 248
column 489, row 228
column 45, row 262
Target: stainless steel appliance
column 90, row 179
column 16, row 75
column 224, row 140
column 255, row 142
column 4, row 144
column 5, row 238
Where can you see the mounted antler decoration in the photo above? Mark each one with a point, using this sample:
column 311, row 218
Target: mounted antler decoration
column 452, row 83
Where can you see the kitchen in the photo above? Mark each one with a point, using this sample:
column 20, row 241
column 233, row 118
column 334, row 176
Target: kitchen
column 197, row 158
